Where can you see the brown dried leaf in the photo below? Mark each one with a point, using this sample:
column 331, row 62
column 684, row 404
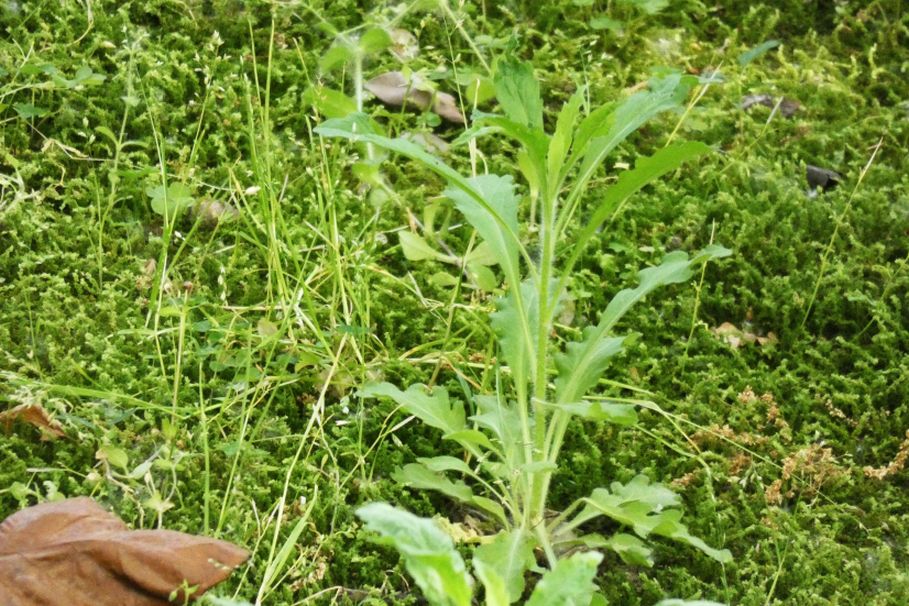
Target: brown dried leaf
column 446, row 106
column 34, row 415
column 74, row 552
column 394, row 88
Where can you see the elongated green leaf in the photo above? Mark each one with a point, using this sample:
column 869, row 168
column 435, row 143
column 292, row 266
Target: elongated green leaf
column 560, row 144
column 569, row 583
column 496, row 416
column 419, row 476
column 671, row 527
column 535, row 144
column 751, row 54
column 500, row 204
column 583, row 362
column 516, row 329
column 503, row 423
column 492, row 507
column 470, row 437
column 617, row 413
column 631, row 549
column 601, row 138
column 429, row 555
column 518, row 92
column 494, row 589
column 646, row 171
column 509, row 555
column 432, row 408
column 445, row 463
column 675, row 268
column 357, row 127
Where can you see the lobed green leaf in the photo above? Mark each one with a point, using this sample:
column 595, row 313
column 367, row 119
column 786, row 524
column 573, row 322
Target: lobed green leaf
column 429, row 554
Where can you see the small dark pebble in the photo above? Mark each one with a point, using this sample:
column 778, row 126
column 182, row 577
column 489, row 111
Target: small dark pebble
column 823, row 178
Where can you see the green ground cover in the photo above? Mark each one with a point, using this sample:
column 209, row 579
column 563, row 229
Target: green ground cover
column 205, row 369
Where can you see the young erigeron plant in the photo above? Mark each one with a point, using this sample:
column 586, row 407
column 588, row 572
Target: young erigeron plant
column 515, row 434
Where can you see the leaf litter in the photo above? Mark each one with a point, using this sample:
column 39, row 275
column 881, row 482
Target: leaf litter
column 75, row 552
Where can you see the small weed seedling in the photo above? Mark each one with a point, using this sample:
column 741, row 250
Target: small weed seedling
column 516, row 433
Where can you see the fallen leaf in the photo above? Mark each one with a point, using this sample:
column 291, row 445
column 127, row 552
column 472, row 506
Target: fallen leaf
column 212, row 212
column 787, row 107
column 74, row 552
column 34, row 415
column 394, row 88
column 735, row 337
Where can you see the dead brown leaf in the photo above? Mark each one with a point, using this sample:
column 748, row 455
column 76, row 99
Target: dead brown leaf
column 74, row 552
column 34, row 415
column 394, row 88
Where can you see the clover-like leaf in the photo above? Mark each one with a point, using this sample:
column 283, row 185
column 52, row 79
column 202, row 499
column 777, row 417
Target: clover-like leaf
column 171, row 200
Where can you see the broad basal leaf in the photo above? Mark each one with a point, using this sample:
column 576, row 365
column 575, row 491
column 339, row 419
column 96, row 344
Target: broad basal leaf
column 569, row 583
column 507, row 557
column 671, row 527
column 419, row 476
column 74, row 552
column 429, row 554
column 329, row 102
column 518, row 92
column 433, row 408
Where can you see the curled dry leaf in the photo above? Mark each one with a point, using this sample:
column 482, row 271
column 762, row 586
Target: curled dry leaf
column 74, row 552
column 34, row 415
column 736, row 337
column 394, row 88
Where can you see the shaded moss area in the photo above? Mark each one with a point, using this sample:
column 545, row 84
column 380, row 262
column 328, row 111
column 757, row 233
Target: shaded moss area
column 226, row 355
